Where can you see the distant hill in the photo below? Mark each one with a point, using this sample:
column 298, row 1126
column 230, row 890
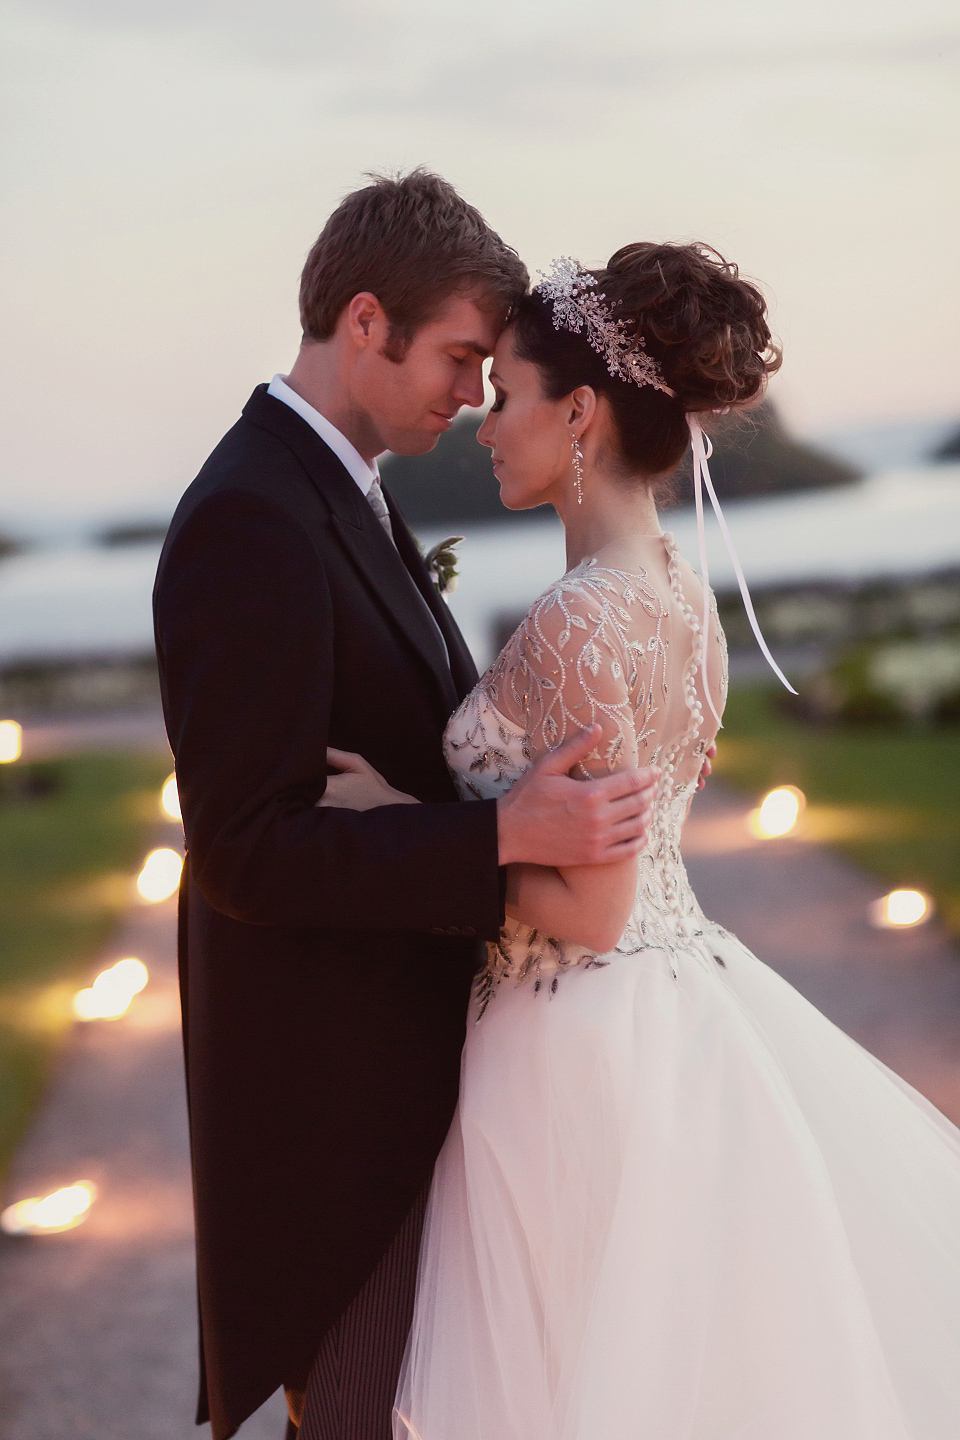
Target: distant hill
column 136, row 532
column 754, row 454
column 455, row 483
column 451, row 485
column 949, row 449
column 881, row 445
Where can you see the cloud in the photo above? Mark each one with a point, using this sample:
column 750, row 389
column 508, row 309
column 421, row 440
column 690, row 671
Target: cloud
column 579, row 83
column 420, row 52
column 292, row 34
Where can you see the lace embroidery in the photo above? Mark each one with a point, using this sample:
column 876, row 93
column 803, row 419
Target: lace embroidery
column 575, row 661
column 596, row 648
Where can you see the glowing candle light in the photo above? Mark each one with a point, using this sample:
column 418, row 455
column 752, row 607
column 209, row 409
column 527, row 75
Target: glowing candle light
column 778, row 812
column 160, row 875
column 11, row 742
column 170, row 799
column 130, row 972
column 901, row 909
column 49, row 1214
column 110, row 994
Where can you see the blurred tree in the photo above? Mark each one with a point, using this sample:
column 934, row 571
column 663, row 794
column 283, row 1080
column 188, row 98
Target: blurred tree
column 8, row 546
column 753, row 455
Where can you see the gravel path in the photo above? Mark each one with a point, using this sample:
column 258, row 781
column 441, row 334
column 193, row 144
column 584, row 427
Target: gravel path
column 804, row 910
column 97, row 1325
column 97, row 1328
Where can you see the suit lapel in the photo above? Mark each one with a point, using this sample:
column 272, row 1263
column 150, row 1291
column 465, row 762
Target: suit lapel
column 383, row 570
column 360, row 533
column 462, row 664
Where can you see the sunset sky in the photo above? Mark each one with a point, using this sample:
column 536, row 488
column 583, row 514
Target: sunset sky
column 166, row 165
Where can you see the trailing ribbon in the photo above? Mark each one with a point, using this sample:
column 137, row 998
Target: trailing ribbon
column 701, row 477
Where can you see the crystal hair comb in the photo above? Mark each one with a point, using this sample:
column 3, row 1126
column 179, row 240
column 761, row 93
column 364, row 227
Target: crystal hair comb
column 578, row 306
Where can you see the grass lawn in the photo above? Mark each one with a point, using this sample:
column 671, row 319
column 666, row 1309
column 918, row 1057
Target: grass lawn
column 889, row 799
column 66, row 861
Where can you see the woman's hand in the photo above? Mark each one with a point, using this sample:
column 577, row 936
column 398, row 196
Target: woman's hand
column 706, row 768
column 358, row 786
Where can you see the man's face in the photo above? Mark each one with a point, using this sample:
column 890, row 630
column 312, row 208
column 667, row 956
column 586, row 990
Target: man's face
column 409, row 404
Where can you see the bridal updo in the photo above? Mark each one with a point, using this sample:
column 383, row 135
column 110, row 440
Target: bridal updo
column 706, row 327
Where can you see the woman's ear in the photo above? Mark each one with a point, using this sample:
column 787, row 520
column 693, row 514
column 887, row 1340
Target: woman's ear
column 582, row 406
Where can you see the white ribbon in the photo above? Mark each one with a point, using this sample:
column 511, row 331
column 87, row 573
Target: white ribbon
column 701, row 477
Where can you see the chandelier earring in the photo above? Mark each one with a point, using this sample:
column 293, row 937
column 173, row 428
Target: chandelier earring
column 577, row 468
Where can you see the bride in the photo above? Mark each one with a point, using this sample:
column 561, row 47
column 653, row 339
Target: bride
column 676, row 1202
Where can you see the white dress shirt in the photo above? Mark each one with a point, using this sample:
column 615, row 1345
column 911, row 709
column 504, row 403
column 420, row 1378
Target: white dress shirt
column 351, row 459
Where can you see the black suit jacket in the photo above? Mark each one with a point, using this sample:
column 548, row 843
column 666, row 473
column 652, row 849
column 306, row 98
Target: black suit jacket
column 326, row 955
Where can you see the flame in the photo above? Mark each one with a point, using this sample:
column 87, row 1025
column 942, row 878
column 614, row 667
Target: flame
column 48, row 1214
column 778, row 812
column 110, row 994
column 160, row 875
column 901, row 909
column 170, row 799
column 11, row 742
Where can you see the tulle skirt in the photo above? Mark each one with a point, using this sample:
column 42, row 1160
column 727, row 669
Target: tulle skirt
column 685, row 1208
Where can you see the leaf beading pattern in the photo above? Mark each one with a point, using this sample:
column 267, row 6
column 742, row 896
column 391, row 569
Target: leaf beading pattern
column 574, row 661
column 594, row 648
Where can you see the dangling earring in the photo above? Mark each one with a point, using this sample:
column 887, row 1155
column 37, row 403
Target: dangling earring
column 577, row 469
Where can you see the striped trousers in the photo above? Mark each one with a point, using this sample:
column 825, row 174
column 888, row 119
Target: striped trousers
column 353, row 1382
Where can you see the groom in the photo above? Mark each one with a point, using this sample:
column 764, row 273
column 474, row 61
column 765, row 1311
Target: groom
column 327, row 954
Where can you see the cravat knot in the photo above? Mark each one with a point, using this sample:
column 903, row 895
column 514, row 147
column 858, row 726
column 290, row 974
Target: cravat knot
column 379, row 506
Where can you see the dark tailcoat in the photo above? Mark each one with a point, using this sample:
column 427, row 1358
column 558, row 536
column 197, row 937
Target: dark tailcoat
column 326, row 955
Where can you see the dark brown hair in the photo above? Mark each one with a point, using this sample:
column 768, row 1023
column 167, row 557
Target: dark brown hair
column 413, row 242
column 705, row 325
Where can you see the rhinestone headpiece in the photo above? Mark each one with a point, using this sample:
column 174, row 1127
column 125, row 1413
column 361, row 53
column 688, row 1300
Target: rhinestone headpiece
column 578, row 306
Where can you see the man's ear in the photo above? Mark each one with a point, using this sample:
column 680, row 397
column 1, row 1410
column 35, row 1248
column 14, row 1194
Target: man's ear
column 365, row 319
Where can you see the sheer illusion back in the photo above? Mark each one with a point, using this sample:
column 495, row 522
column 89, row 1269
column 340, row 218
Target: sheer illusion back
column 622, row 649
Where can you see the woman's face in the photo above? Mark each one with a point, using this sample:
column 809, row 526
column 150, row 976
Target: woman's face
column 528, row 434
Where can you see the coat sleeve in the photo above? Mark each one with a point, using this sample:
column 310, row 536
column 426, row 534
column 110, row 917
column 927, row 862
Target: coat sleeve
column 244, row 639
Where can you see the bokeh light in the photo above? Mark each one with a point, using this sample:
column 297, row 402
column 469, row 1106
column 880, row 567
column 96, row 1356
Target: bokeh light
column 49, row 1214
column 170, row 799
column 901, row 909
column 160, row 875
column 778, row 812
column 110, row 994
column 11, row 742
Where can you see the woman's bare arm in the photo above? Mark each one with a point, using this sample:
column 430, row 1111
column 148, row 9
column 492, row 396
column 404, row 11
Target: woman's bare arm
column 589, row 905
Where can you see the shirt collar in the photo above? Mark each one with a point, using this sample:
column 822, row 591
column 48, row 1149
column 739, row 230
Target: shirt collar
column 351, row 459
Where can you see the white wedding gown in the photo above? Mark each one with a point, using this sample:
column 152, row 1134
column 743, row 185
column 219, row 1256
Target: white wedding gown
column 676, row 1202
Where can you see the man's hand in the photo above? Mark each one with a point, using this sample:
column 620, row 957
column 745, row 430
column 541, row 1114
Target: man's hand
column 547, row 818
column 358, row 786
column 706, row 769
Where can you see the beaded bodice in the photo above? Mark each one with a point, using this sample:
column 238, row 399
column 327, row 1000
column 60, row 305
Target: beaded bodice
column 622, row 649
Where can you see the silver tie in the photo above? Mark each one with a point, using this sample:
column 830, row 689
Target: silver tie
column 379, row 507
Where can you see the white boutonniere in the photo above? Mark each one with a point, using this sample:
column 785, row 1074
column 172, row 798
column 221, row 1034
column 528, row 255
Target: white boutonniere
column 441, row 562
